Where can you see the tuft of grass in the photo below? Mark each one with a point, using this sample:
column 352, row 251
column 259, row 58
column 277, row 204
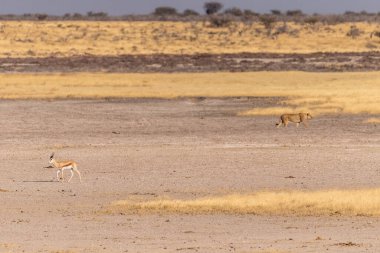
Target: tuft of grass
column 363, row 202
column 274, row 111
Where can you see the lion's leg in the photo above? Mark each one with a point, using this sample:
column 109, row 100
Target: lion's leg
column 297, row 124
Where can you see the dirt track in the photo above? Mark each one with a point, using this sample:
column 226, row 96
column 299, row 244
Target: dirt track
column 243, row 62
column 179, row 148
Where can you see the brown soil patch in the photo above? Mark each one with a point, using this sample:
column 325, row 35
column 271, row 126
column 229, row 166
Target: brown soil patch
column 241, row 62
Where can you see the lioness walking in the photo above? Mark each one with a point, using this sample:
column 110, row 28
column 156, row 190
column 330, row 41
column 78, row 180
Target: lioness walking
column 295, row 118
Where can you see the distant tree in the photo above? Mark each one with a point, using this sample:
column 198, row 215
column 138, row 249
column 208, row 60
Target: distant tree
column 41, row 16
column 350, row 13
column 276, row 12
column 234, row 11
column 77, row 15
column 165, row 11
column 250, row 13
column 97, row 14
column 212, row 7
column 295, row 13
column 189, row 12
column 10, row 17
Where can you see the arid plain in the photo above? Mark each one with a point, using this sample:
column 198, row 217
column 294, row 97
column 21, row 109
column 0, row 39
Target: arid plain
column 188, row 162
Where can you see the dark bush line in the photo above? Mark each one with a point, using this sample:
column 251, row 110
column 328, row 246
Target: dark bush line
column 231, row 14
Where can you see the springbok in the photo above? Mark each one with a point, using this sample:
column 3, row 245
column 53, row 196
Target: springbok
column 65, row 165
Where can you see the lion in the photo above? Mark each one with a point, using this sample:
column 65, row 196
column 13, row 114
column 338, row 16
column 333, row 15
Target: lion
column 295, row 118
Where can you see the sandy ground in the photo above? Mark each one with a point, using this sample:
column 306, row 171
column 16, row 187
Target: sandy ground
column 179, row 148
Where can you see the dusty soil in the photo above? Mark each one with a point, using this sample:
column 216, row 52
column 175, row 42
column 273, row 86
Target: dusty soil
column 316, row 62
column 179, row 148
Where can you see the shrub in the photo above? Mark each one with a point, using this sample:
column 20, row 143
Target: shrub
column 77, row 16
column 97, row 14
column 276, row 12
column 334, row 19
column 189, row 12
column 41, row 16
column 282, row 29
column 311, row 20
column 220, row 21
column 375, row 34
column 364, row 13
column 249, row 13
column 268, row 21
column 212, row 7
column 293, row 13
column 354, row 32
column 234, row 11
column 350, row 13
column 165, row 11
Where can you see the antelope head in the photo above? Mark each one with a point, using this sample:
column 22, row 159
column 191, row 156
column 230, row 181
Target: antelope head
column 51, row 158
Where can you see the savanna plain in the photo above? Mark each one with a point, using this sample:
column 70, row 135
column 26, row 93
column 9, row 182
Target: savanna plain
column 188, row 161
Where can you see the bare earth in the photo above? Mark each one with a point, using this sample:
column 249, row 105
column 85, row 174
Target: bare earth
column 184, row 148
column 169, row 63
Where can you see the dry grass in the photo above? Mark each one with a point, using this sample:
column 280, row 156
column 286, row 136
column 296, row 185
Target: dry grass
column 7, row 245
column 67, row 38
column 318, row 93
column 364, row 202
column 372, row 121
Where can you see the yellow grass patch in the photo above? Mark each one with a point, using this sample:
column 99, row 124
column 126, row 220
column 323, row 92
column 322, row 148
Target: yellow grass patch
column 282, row 110
column 357, row 92
column 7, row 245
column 372, row 121
column 67, row 38
column 364, row 202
